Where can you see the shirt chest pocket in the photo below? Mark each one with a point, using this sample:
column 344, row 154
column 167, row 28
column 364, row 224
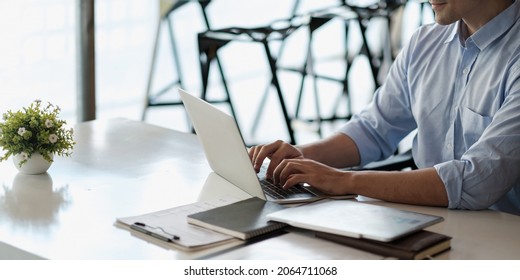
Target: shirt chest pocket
column 473, row 125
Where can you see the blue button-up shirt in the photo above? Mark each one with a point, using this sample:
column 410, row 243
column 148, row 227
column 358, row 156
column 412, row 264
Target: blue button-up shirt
column 462, row 97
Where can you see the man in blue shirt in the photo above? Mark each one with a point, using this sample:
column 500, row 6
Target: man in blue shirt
column 457, row 83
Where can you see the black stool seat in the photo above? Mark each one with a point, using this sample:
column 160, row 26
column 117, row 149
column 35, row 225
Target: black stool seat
column 212, row 40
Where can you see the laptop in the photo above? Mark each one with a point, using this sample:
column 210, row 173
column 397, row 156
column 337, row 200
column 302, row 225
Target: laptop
column 228, row 156
column 355, row 219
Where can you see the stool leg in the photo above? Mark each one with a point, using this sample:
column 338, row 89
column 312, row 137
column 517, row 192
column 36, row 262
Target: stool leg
column 310, row 64
column 210, row 56
column 261, row 107
column 175, row 53
column 307, row 69
column 310, row 71
column 203, row 5
column 151, row 72
column 226, row 88
column 345, row 93
column 371, row 59
column 149, row 100
column 205, row 61
column 276, row 84
column 207, row 54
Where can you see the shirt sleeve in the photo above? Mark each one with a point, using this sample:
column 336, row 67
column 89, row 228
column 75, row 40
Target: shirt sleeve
column 490, row 167
column 378, row 128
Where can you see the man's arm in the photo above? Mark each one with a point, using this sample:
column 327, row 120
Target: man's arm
column 419, row 187
column 338, row 150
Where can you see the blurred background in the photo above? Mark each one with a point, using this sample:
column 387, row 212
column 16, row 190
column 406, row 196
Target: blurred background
column 38, row 59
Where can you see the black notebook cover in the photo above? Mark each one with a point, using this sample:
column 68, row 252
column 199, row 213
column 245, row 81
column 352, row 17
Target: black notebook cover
column 244, row 219
column 419, row 245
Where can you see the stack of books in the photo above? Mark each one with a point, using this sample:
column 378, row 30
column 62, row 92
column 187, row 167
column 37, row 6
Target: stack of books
column 380, row 230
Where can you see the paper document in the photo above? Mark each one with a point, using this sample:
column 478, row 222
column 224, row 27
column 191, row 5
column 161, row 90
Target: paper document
column 170, row 225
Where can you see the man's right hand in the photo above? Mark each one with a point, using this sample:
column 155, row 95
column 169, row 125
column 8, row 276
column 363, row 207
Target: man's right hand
column 276, row 152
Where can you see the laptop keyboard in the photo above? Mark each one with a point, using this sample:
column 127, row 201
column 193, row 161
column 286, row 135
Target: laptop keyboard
column 277, row 192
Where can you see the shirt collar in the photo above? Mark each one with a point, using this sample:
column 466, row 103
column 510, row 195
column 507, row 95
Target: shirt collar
column 454, row 31
column 491, row 30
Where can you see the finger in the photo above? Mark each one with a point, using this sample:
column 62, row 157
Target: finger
column 274, row 174
column 283, row 170
column 259, row 155
column 281, row 153
column 294, row 179
column 276, row 159
column 251, row 152
column 291, row 167
column 266, row 151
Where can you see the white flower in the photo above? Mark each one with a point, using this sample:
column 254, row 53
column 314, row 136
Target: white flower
column 24, row 155
column 48, row 123
column 53, row 138
column 21, row 131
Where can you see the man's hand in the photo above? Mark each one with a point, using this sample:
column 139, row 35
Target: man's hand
column 276, row 152
column 325, row 178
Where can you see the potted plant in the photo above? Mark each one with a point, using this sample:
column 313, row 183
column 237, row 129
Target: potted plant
column 33, row 135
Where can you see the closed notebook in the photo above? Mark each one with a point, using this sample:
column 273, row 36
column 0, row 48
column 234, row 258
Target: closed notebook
column 244, row 219
column 416, row 246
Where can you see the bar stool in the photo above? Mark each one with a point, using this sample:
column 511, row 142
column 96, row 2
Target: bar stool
column 382, row 10
column 349, row 14
column 317, row 20
column 211, row 41
column 168, row 7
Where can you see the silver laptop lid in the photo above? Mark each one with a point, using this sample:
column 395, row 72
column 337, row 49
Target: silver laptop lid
column 223, row 144
column 355, row 219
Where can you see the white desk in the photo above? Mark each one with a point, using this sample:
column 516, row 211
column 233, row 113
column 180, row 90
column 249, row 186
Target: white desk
column 123, row 168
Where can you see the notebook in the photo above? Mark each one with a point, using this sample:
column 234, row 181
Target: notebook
column 228, row 157
column 416, row 246
column 355, row 219
column 243, row 219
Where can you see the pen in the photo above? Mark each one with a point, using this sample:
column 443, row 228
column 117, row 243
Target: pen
column 141, row 227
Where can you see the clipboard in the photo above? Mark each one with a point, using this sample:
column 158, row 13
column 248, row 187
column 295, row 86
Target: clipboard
column 170, row 226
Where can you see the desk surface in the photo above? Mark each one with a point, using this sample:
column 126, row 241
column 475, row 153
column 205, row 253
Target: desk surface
column 122, row 168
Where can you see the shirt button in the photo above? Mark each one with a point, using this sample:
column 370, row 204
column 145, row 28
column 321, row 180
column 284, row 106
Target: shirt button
column 449, row 147
column 465, row 71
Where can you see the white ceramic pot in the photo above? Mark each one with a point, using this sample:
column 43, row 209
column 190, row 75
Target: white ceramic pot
column 36, row 164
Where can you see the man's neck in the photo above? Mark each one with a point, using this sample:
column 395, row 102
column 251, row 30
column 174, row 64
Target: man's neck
column 464, row 33
column 475, row 21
